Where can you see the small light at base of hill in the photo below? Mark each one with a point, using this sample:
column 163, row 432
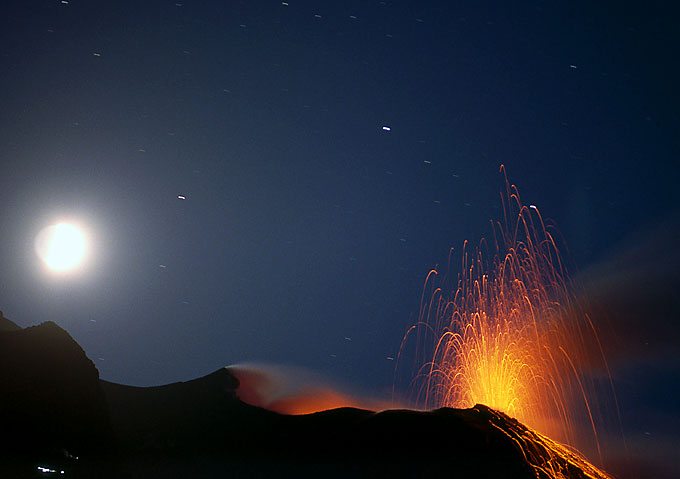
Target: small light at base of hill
column 47, row 470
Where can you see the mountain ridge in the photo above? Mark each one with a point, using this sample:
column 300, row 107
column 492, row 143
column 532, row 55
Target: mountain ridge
column 62, row 416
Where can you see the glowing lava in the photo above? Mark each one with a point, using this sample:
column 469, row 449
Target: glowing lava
column 511, row 335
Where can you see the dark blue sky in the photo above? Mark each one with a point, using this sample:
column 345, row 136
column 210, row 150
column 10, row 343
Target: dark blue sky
column 305, row 222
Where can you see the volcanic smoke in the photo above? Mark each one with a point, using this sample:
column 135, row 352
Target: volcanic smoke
column 508, row 333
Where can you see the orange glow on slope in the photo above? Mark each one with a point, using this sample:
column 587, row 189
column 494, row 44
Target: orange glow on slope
column 511, row 335
column 547, row 458
column 293, row 391
column 308, row 402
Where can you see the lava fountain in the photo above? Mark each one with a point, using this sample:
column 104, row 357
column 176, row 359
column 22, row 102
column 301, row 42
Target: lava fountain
column 509, row 332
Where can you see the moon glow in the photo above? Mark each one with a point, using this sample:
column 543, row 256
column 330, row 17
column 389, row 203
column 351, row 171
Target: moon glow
column 62, row 246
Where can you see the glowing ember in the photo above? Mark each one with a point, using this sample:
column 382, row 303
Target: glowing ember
column 511, row 335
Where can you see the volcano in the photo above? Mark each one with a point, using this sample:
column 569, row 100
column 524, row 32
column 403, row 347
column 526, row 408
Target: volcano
column 58, row 415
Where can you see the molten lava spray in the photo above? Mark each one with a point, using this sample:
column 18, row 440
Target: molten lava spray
column 509, row 333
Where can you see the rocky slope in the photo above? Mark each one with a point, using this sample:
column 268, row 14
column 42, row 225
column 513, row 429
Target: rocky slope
column 57, row 414
column 51, row 401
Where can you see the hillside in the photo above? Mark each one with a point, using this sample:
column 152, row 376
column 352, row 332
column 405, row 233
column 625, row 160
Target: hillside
column 58, row 414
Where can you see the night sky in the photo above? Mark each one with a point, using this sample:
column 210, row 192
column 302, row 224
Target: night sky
column 329, row 154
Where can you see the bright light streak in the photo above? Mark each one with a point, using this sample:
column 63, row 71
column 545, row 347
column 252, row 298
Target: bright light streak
column 47, row 470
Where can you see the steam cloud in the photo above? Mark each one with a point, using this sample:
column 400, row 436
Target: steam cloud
column 290, row 390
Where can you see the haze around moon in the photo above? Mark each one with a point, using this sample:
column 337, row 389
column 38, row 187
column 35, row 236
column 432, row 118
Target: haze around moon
column 62, row 247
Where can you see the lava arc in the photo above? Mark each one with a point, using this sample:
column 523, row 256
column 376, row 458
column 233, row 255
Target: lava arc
column 508, row 331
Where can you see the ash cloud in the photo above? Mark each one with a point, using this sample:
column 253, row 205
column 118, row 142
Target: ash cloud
column 634, row 296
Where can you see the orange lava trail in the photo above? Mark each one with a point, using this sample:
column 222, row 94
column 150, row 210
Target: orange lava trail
column 508, row 333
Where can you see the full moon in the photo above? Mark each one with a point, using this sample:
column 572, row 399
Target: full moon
column 62, row 246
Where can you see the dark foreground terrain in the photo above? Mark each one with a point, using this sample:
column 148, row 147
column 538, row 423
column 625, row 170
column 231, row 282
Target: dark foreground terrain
column 56, row 414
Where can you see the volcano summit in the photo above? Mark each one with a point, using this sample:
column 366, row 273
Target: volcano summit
column 59, row 416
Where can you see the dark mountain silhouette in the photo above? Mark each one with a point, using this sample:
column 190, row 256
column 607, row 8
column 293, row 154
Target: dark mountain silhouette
column 51, row 401
column 54, row 408
column 6, row 324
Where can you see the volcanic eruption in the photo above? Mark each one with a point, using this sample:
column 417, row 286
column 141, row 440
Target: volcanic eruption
column 508, row 364
column 510, row 331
